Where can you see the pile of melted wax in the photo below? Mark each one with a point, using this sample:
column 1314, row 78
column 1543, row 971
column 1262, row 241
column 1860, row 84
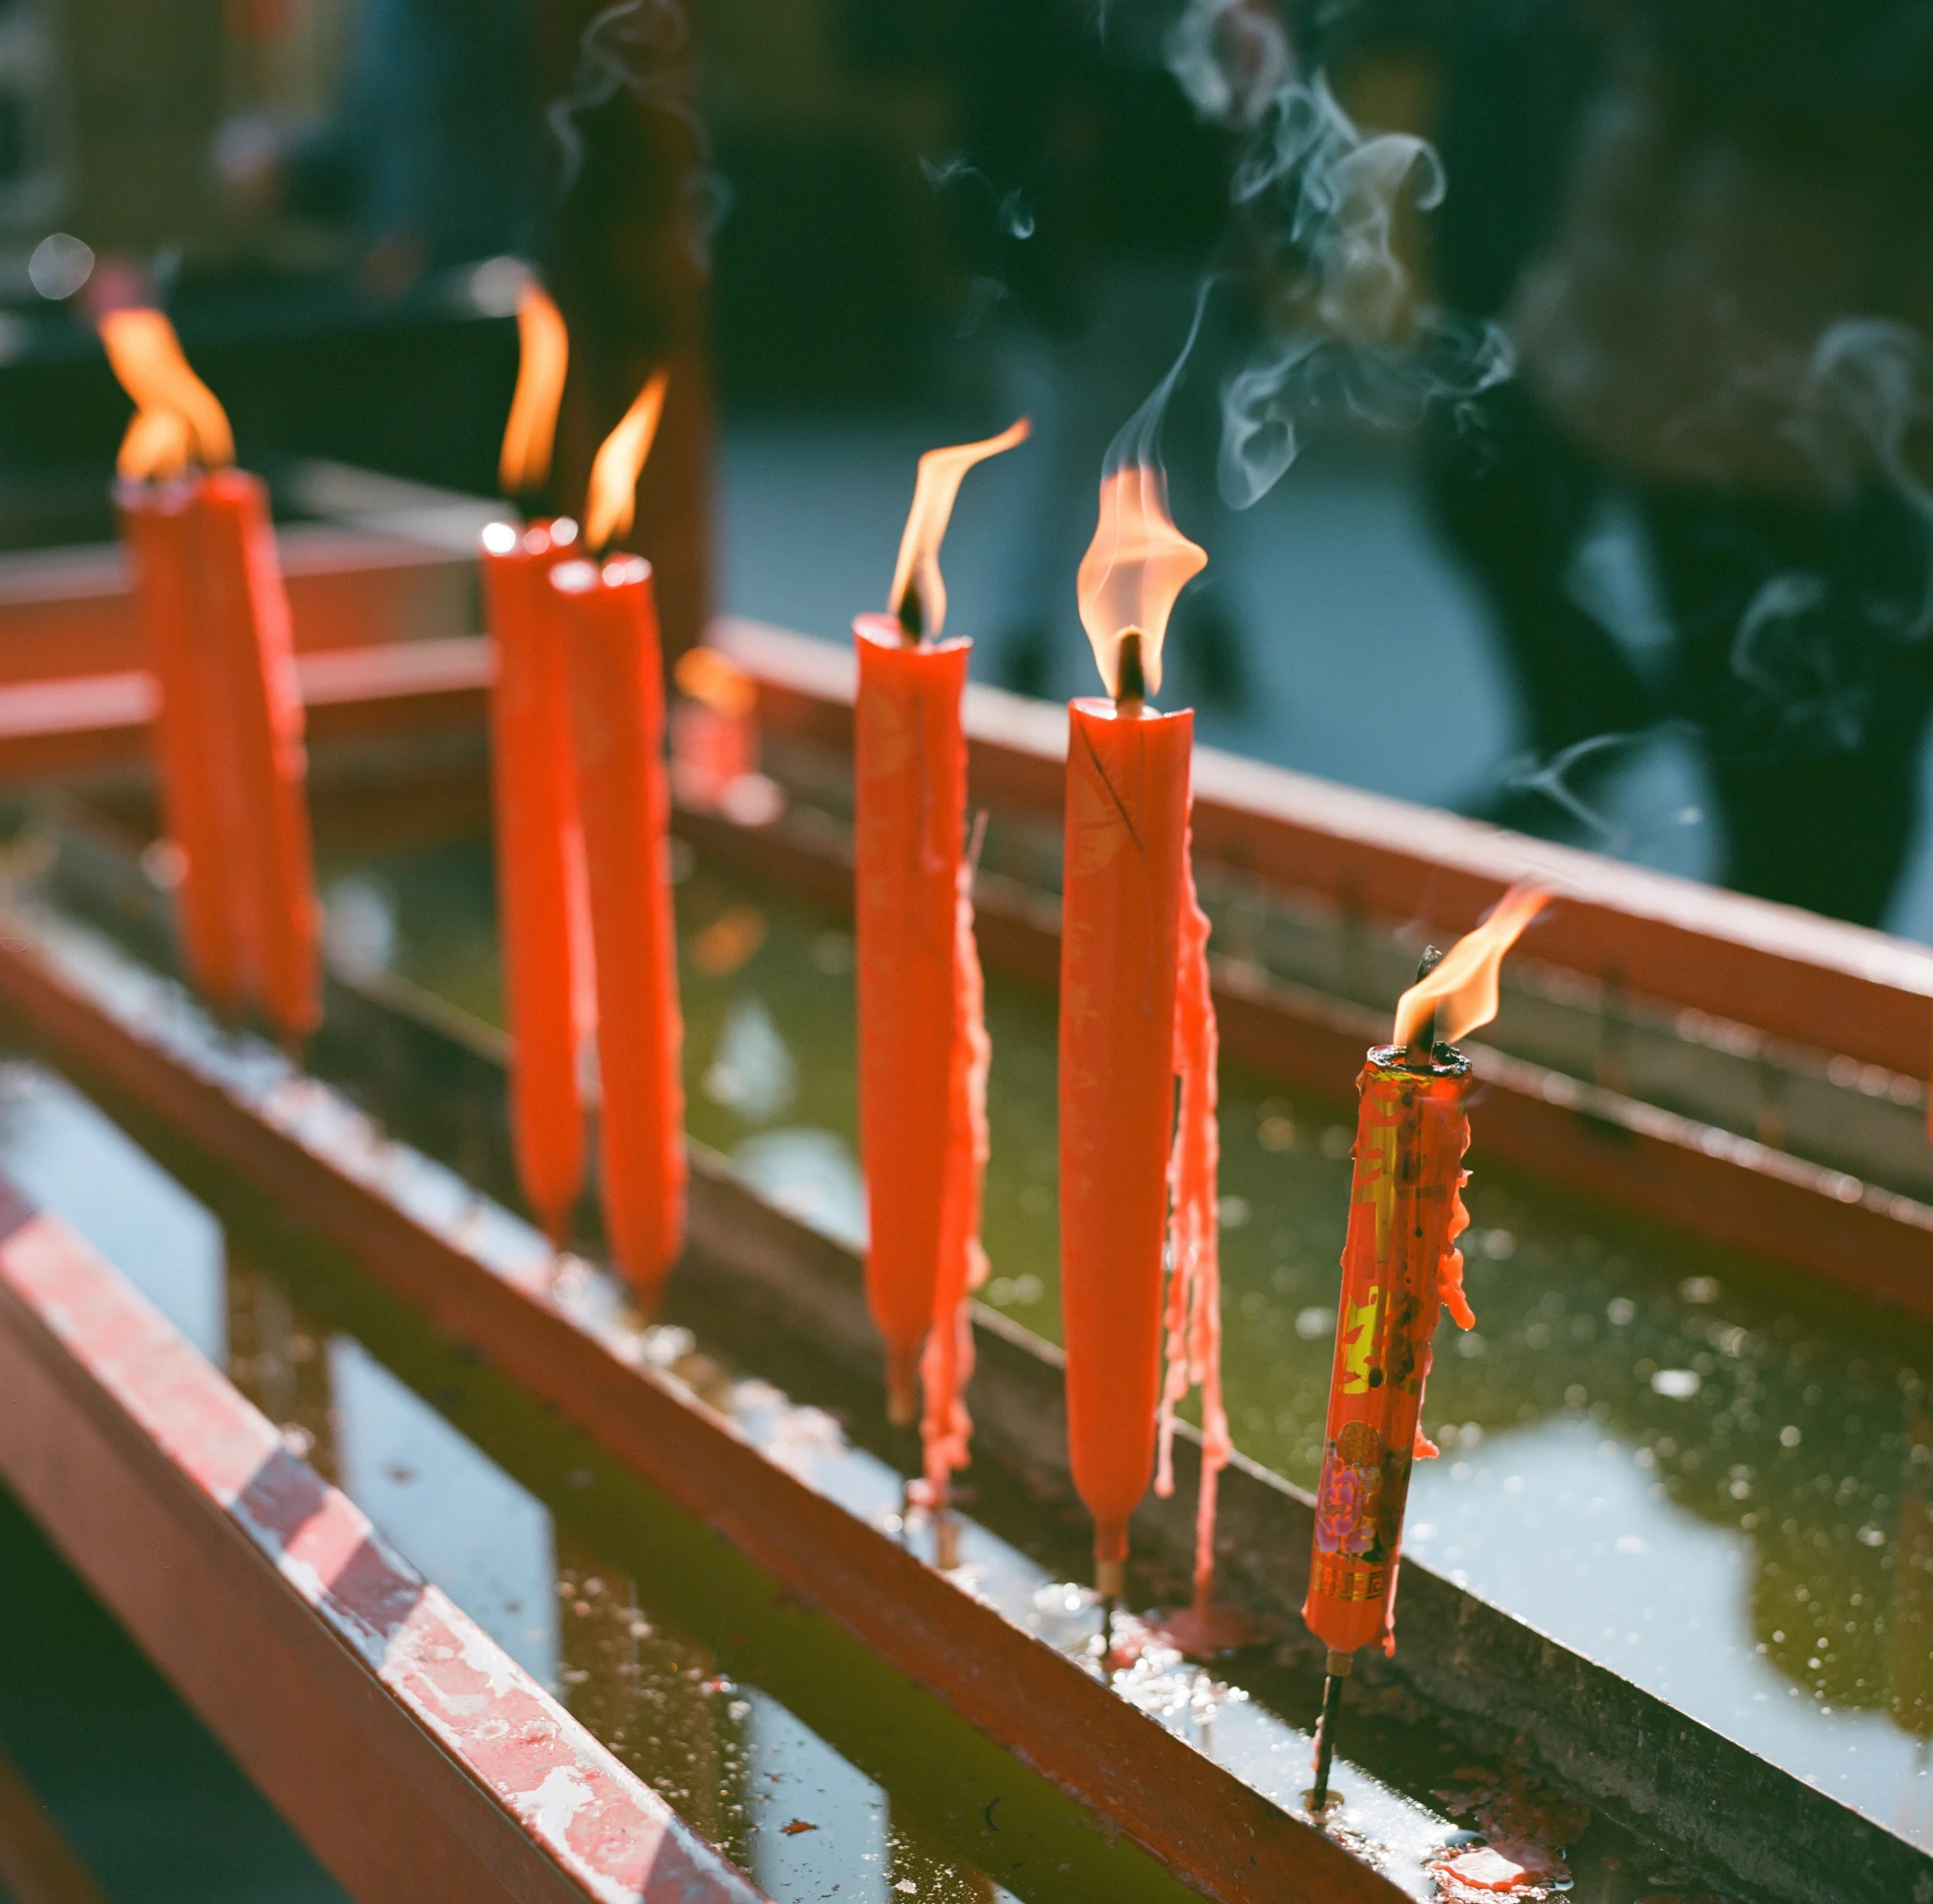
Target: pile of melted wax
column 1524, row 1829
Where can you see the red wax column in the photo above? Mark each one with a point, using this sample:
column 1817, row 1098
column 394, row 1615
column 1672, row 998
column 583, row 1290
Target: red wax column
column 155, row 526
column 1127, row 834
column 1400, row 1267
column 910, row 795
column 540, row 868
column 617, row 694
column 245, row 623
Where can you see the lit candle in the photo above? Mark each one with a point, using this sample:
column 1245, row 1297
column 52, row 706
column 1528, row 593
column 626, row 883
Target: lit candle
column 154, row 527
column 1126, row 966
column 222, row 648
column 1401, row 1269
column 617, row 696
column 548, row 986
column 921, row 1038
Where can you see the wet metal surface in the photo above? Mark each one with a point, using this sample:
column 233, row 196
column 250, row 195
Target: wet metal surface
column 657, row 1683
column 1694, row 1468
column 1394, row 1820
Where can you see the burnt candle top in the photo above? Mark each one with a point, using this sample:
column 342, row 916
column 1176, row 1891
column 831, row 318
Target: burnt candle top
column 543, row 537
column 584, row 577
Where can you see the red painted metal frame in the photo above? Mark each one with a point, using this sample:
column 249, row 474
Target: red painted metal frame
column 1835, row 987
column 414, row 1756
column 68, row 614
column 37, row 1865
column 95, row 723
column 1577, row 1719
column 1656, row 1162
column 65, row 630
column 1191, row 1816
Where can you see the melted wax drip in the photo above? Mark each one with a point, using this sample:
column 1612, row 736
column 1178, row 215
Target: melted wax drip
column 1194, row 1318
column 947, row 1363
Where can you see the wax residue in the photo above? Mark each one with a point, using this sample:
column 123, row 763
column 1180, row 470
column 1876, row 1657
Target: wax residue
column 947, row 1363
column 1194, row 1318
column 1449, row 1273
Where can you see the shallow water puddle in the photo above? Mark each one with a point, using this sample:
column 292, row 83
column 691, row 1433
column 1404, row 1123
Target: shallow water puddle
column 1711, row 1476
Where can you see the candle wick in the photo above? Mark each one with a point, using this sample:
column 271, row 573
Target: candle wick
column 913, row 615
column 1423, row 1050
column 1130, row 677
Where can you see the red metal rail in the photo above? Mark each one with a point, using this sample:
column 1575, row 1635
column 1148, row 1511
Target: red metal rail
column 1190, row 1815
column 414, row 1756
column 68, row 614
column 88, row 725
column 65, row 630
column 1835, row 987
column 1656, row 1162
column 37, row 1865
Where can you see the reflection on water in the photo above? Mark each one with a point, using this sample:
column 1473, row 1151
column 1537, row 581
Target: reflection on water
column 1696, row 1468
column 655, row 1673
column 748, row 1773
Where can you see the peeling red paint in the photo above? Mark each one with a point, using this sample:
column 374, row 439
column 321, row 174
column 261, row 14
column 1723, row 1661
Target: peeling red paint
column 608, row 1831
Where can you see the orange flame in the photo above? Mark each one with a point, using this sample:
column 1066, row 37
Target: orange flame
column 917, row 573
column 147, row 358
column 704, row 675
column 1136, row 567
column 1461, row 993
column 158, row 444
column 614, row 472
column 544, row 354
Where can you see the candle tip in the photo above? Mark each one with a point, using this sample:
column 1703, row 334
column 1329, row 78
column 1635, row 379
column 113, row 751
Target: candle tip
column 901, row 1386
column 1130, row 676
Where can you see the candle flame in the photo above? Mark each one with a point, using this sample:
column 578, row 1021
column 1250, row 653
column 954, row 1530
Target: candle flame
column 544, row 354
column 917, row 585
column 158, row 444
column 621, row 457
column 704, row 675
column 1134, row 568
column 147, row 358
column 1461, row 993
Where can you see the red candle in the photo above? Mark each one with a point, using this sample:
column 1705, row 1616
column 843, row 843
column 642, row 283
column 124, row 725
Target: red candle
column 545, row 929
column 1121, row 946
column 1401, row 1269
column 922, row 1053
column 617, row 696
column 154, row 527
column 1399, row 1266
column 1192, row 1323
column 230, row 736
column 1127, row 824
column 714, row 729
column 245, row 622
column 910, row 783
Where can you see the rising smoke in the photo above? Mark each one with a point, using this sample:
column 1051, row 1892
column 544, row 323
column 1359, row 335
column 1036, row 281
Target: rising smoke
column 641, row 47
column 1868, row 387
column 1322, row 199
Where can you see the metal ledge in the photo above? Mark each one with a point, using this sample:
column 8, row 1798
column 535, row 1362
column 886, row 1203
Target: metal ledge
column 439, row 1077
column 414, row 1756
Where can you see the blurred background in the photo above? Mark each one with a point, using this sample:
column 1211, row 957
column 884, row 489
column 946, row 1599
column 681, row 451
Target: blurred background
column 1544, row 378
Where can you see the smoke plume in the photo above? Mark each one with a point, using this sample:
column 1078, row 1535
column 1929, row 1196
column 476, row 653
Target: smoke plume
column 641, row 47
column 1322, row 199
